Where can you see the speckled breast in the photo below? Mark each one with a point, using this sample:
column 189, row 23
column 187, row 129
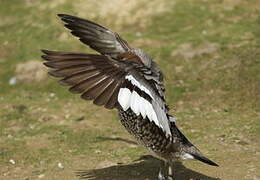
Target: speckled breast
column 146, row 132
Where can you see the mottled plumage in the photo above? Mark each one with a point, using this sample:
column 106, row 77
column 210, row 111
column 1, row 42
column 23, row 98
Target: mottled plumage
column 127, row 79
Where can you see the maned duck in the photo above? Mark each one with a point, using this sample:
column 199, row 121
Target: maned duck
column 129, row 80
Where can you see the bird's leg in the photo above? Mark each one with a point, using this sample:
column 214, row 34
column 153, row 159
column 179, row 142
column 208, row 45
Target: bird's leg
column 162, row 172
column 166, row 171
column 170, row 171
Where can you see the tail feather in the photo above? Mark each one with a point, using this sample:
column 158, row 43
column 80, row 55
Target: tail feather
column 204, row 159
column 192, row 152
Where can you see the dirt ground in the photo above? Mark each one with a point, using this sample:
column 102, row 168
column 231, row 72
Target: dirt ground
column 209, row 51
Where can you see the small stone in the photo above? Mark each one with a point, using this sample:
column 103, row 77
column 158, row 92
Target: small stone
column 60, row 165
column 41, row 176
column 12, row 161
column 32, row 126
column 97, row 151
column 12, row 81
column 9, row 136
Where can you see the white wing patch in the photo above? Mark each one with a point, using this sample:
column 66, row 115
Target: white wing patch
column 136, row 83
column 140, row 105
column 134, row 103
column 124, row 97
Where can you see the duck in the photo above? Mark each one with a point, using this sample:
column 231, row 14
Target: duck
column 127, row 79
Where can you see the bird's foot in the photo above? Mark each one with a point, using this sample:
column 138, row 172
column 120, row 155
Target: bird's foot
column 170, row 177
column 163, row 177
column 165, row 172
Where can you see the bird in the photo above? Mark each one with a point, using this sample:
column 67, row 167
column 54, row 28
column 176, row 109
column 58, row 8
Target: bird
column 127, row 79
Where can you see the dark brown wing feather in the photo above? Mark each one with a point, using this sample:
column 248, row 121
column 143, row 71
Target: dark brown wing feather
column 131, row 57
column 96, row 77
column 95, row 36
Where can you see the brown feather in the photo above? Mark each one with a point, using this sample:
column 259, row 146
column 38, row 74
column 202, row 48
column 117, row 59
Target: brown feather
column 97, row 77
column 87, row 84
column 130, row 56
column 103, row 93
column 95, row 36
column 103, row 98
column 113, row 98
column 98, row 88
column 67, row 72
column 66, row 63
column 77, row 77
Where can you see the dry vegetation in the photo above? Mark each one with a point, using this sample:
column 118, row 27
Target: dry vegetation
column 209, row 51
column 123, row 13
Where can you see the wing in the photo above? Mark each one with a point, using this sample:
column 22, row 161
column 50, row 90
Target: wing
column 95, row 77
column 95, row 36
column 143, row 90
column 137, row 94
column 109, row 82
column 148, row 68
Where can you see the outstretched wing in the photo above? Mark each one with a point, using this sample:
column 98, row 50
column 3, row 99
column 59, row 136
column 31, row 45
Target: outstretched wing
column 95, row 77
column 95, row 36
column 109, row 82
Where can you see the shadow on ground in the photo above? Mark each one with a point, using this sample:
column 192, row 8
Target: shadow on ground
column 106, row 138
column 145, row 168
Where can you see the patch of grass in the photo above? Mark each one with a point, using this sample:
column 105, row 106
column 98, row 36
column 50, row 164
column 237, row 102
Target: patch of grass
column 212, row 84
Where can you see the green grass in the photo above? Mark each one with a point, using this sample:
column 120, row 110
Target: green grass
column 214, row 94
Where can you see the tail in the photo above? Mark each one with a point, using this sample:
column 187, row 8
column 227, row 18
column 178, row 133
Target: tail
column 203, row 159
column 191, row 152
